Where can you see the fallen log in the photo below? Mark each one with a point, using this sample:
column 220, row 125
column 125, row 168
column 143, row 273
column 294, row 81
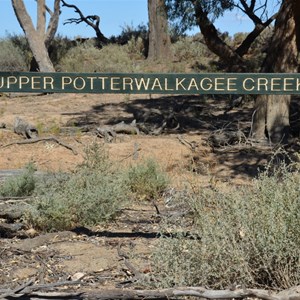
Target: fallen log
column 29, row 291
column 109, row 133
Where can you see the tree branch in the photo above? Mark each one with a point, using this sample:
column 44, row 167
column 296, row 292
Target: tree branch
column 212, row 39
column 258, row 29
column 53, row 22
column 89, row 20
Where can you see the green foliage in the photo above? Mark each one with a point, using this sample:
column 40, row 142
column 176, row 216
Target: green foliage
column 146, row 180
column 11, row 57
column 248, row 236
column 182, row 12
column 130, row 32
column 58, row 48
column 93, row 194
column 20, row 42
column 190, row 51
column 87, row 58
column 20, row 186
column 136, row 48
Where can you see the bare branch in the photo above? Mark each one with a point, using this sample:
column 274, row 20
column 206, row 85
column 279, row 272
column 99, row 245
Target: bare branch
column 249, row 11
column 89, row 20
column 258, row 29
column 49, row 11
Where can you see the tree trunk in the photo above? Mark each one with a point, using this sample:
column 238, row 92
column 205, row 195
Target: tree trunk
column 159, row 38
column 271, row 112
column 36, row 37
column 214, row 42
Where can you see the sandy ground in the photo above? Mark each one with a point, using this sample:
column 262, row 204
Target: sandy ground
column 182, row 150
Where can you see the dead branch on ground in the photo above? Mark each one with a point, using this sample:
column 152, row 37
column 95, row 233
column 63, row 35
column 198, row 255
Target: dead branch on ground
column 31, row 291
column 42, row 139
column 109, row 133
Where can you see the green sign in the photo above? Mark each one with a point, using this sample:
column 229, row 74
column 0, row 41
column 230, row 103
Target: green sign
column 120, row 83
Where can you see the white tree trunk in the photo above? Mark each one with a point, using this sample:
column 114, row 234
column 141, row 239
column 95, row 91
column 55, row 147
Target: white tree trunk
column 36, row 37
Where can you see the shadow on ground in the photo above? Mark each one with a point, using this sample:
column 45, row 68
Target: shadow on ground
column 190, row 115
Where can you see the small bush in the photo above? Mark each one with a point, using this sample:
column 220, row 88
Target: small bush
column 20, row 186
column 146, row 180
column 248, row 236
column 11, row 57
column 93, row 194
column 135, row 48
column 193, row 52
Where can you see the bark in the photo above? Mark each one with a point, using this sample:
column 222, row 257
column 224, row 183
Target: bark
column 296, row 10
column 159, row 38
column 36, row 36
column 271, row 112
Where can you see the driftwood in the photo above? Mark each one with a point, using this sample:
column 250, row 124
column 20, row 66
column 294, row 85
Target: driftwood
column 43, row 139
column 109, row 133
column 30, row 291
column 25, row 129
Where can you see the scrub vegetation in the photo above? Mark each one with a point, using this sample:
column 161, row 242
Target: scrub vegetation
column 242, row 236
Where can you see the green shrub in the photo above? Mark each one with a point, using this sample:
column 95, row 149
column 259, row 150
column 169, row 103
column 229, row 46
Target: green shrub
column 135, row 48
column 87, row 58
column 146, row 180
column 20, row 186
column 11, row 57
column 93, row 194
column 193, row 52
column 249, row 236
column 58, row 48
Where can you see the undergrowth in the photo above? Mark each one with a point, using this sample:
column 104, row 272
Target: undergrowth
column 248, row 236
column 111, row 58
column 94, row 193
column 11, row 57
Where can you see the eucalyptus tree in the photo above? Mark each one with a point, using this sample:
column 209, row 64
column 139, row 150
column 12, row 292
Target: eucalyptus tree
column 186, row 14
column 39, row 36
column 271, row 112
